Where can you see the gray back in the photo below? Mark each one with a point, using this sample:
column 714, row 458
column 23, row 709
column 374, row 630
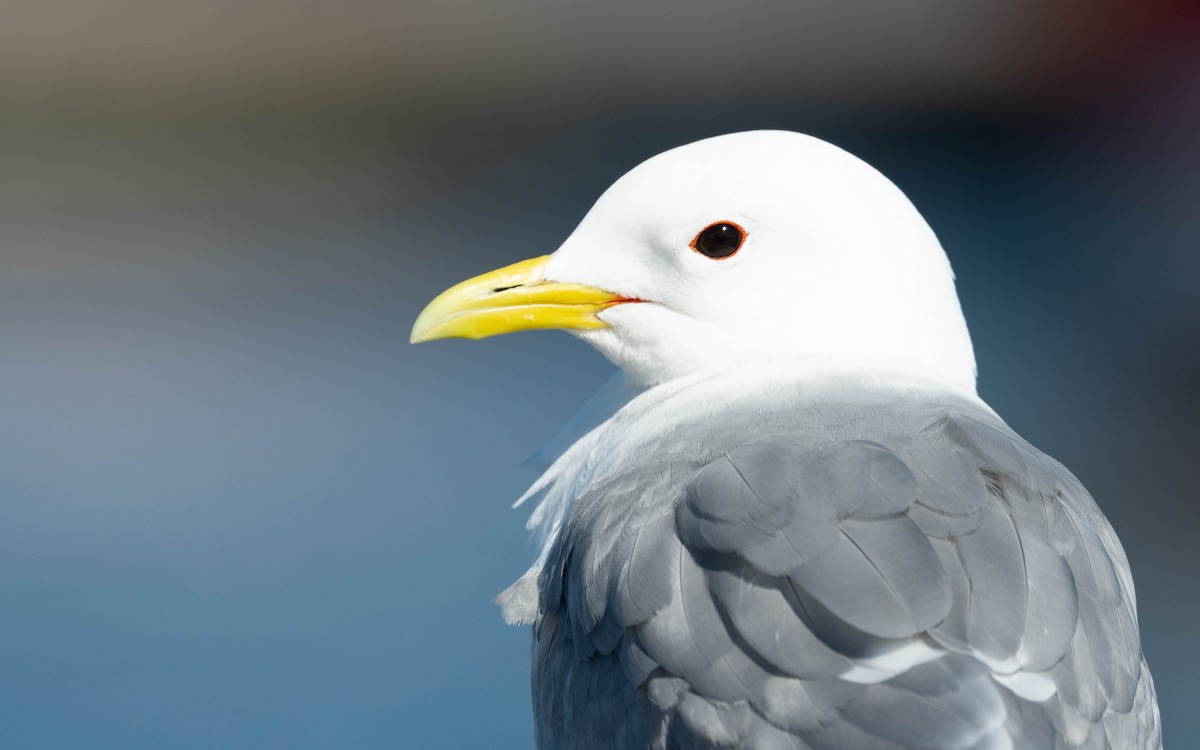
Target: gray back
column 878, row 574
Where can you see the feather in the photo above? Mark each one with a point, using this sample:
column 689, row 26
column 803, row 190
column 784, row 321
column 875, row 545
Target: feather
column 880, row 574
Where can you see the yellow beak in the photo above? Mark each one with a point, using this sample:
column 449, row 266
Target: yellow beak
column 509, row 299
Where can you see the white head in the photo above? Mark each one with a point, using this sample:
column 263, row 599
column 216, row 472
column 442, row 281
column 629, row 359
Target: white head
column 835, row 267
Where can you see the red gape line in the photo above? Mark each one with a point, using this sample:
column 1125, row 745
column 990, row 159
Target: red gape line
column 622, row 301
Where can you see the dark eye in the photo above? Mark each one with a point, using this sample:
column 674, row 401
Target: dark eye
column 719, row 240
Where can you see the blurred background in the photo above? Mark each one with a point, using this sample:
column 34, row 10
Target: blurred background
column 238, row 510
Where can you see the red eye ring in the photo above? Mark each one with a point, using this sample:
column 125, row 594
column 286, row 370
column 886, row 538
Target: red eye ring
column 719, row 240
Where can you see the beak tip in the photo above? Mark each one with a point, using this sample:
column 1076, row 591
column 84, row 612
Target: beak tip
column 424, row 327
column 418, row 335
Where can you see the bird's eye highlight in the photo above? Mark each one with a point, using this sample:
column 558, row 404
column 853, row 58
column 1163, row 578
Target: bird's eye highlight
column 719, row 240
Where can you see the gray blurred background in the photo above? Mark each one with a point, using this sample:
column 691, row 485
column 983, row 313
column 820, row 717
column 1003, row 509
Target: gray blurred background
column 238, row 510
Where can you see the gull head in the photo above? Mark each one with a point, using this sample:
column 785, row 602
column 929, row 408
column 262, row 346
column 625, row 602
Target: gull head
column 764, row 247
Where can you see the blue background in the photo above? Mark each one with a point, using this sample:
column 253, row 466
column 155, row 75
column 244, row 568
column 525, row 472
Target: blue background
column 238, row 510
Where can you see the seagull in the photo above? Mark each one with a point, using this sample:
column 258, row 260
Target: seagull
column 789, row 521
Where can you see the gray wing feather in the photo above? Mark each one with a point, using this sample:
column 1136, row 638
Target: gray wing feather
column 765, row 613
column 994, row 563
column 952, row 589
column 1052, row 609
